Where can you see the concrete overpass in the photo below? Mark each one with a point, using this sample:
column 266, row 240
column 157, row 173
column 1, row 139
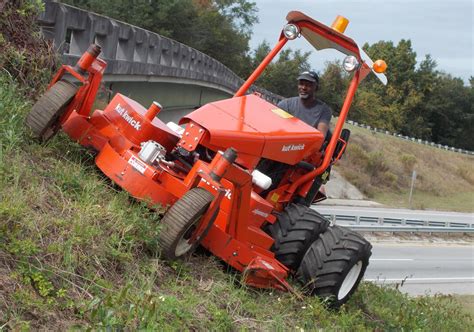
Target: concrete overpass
column 141, row 64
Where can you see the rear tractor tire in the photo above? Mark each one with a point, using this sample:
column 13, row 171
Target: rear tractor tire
column 296, row 228
column 46, row 112
column 334, row 265
column 180, row 222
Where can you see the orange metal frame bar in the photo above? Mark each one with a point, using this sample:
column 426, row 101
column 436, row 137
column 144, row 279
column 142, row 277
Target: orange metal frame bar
column 256, row 73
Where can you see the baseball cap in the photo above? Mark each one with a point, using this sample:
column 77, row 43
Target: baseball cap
column 309, row 76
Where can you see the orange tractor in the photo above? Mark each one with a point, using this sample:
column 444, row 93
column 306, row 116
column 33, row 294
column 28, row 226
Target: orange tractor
column 213, row 171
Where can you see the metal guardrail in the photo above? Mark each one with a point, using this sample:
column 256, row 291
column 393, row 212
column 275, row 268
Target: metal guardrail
column 420, row 229
column 375, row 224
column 411, row 139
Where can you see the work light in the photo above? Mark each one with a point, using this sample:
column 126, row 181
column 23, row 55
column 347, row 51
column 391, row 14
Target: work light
column 291, row 31
column 350, row 63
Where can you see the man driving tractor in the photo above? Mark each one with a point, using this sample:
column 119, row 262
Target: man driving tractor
column 306, row 106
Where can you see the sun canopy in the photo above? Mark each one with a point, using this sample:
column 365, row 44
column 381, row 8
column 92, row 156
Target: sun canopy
column 321, row 37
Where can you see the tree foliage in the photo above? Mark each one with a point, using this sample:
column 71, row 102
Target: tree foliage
column 419, row 100
column 281, row 74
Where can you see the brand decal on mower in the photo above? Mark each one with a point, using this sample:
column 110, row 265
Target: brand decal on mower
column 292, row 147
column 260, row 213
column 137, row 164
column 127, row 117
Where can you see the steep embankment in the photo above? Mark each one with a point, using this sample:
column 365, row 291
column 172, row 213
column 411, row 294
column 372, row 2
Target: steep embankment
column 75, row 251
column 381, row 166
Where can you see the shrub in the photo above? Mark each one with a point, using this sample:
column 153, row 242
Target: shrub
column 376, row 163
column 24, row 55
column 356, row 155
column 466, row 173
column 390, row 179
column 408, row 161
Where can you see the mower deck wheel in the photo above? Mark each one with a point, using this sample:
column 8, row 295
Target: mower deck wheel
column 181, row 220
column 334, row 265
column 296, row 228
column 45, row 113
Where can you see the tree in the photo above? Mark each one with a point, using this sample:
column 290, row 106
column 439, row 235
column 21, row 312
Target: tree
column 450, row 112
column 280, row 75
column 333, row 84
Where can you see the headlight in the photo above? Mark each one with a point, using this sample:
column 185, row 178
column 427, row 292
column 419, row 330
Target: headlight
column 350, row 63
column 291, row 31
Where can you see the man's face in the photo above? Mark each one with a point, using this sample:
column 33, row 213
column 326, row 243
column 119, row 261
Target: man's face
column 306, row 89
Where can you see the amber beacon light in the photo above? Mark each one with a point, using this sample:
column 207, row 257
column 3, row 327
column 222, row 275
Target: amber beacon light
column 340, row 24
column 379, row 66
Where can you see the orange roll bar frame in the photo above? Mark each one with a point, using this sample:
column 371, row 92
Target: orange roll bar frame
column 256, row 73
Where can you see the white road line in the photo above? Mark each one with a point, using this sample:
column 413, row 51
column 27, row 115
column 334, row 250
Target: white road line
column 419, row 279
column 392, row 259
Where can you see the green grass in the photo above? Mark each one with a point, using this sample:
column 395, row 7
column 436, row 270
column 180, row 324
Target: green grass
column 76, row 253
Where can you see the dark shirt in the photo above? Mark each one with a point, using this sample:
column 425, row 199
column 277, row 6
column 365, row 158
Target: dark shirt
column 314, row 115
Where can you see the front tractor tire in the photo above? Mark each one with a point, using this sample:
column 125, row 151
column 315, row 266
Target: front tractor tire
column 43, row 117
column 180, row 222
column 296, row 228
column 334, row 265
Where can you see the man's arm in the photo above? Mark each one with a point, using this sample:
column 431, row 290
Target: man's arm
column 323, row 128
column 323, row 125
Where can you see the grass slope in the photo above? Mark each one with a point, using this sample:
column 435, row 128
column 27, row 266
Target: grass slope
column 381, row 167
column 76, row 252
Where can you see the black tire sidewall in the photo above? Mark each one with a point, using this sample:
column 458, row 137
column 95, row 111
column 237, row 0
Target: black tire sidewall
column 361, row 256
column 329, row 260
column 195, row 220
column 287, row 227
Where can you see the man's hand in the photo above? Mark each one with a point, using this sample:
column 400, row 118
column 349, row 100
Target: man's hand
column 323, row 128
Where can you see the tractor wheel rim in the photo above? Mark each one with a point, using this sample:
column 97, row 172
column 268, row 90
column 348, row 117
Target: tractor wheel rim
column 350, row 280
column 183, row 245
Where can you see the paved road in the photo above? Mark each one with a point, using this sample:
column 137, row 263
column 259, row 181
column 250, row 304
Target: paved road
column 426, row 268
column 397, row 213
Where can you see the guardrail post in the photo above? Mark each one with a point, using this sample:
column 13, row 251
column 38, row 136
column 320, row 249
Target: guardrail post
column 380, row 221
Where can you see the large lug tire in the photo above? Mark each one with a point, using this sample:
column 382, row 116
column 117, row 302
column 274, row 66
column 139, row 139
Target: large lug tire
column 296, row 228
column 181, row 220
column 334, row 265
column 46, row 112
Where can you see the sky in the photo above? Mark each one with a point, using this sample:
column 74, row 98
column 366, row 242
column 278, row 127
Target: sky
column 441, row 28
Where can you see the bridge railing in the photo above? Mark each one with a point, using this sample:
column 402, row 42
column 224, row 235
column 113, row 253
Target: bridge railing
column 130, row 50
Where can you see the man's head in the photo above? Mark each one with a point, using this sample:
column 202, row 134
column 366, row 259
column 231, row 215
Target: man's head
column 308, row 83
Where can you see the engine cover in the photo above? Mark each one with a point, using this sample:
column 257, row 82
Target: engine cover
column 256, row 127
